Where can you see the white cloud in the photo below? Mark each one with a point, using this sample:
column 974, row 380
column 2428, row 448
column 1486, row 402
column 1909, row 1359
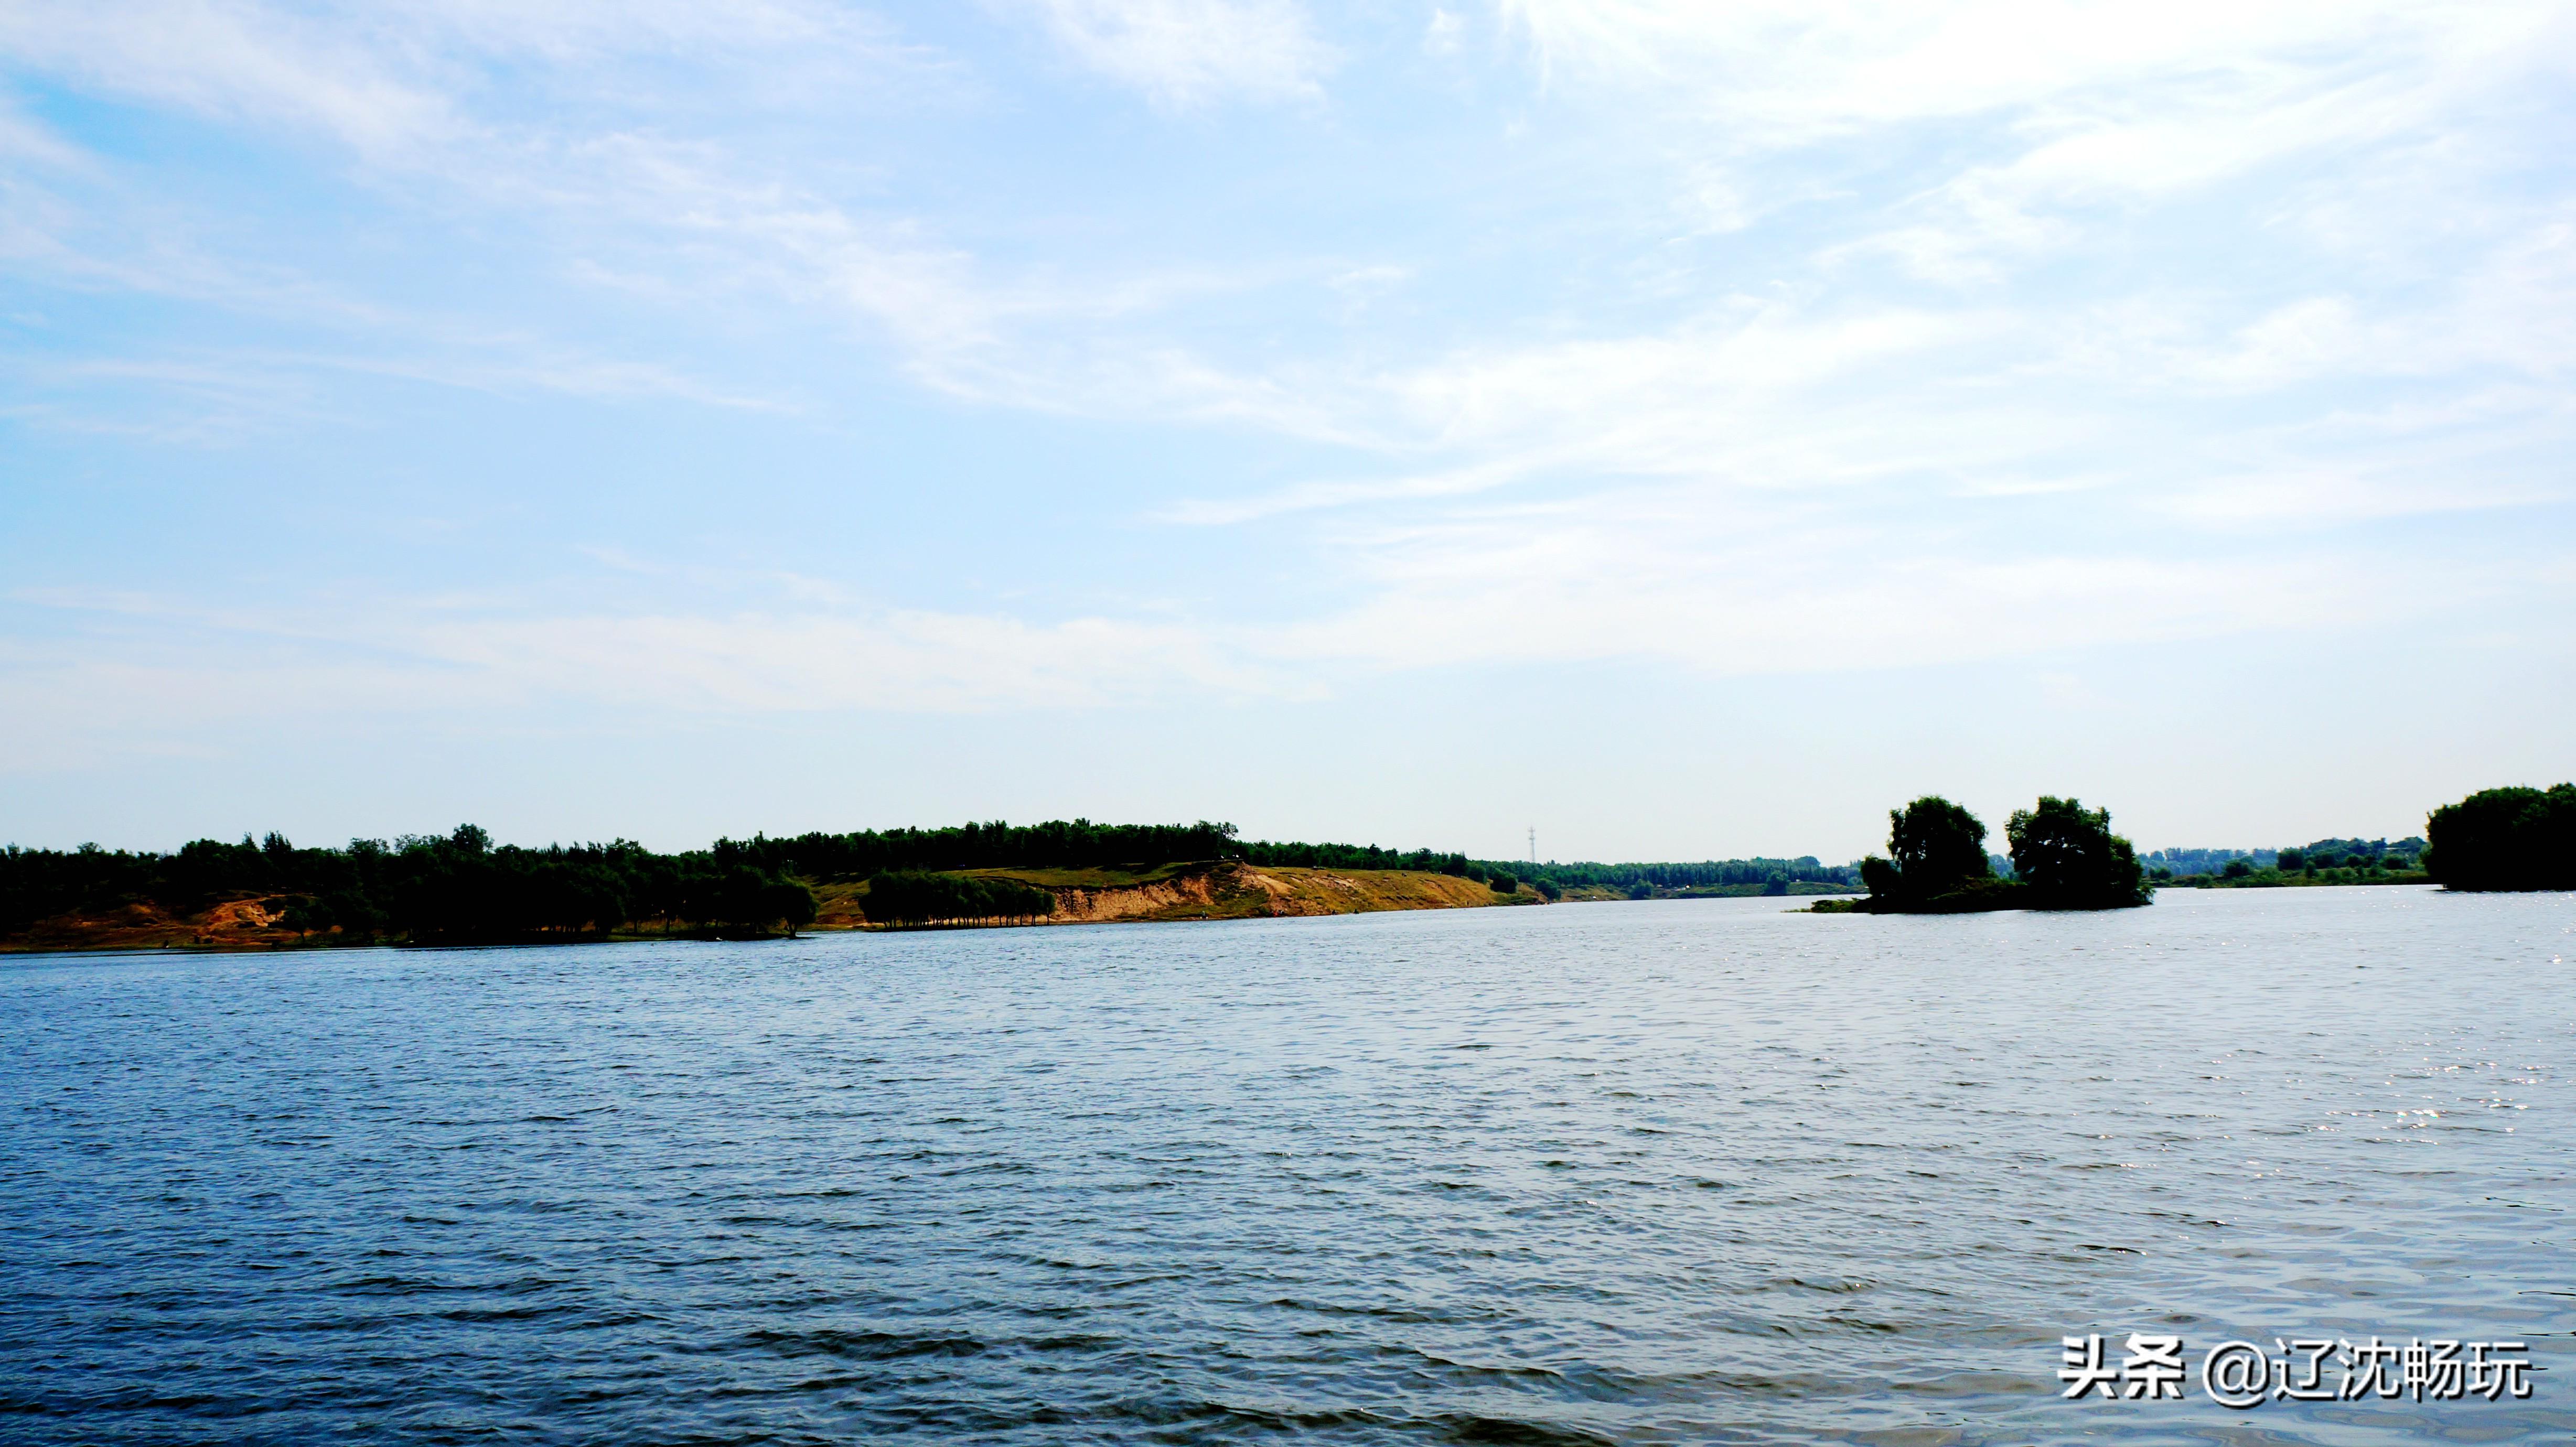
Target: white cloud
column 1315, row 496
column 1797, row 71
column 389, row 79
column 906, row 661
column 153, row 668
column 234, row 61
column 1659, row 573
column 2055, row 106
column 1441, row 34
column 2314, row 496
column 1190, row 52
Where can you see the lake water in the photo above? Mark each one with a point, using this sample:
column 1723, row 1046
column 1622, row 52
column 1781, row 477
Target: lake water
column 1671, row 1172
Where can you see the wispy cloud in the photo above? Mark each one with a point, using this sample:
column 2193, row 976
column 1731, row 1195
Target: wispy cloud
column 1655, row 573
column 1762, row 324
column 1192, row 52
column 155, row 666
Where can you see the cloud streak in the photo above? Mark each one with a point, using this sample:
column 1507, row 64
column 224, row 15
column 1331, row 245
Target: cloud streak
column 1187, row 53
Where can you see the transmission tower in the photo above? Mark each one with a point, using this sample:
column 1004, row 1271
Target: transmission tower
column 1533, row 844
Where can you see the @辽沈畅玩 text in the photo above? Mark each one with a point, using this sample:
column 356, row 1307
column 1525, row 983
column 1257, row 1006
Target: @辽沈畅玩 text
column 2241, row 1374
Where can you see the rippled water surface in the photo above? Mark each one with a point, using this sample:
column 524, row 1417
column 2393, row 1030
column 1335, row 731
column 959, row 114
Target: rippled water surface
column 1672, row 1172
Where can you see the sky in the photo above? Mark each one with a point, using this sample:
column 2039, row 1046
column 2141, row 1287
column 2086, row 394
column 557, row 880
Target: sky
column 1686, row 430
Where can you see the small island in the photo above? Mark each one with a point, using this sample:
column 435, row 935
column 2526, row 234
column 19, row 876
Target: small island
column 2064, row 856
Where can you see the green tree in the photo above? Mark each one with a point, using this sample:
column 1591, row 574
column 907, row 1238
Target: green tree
column 307, row 916
column 2071, row 859
column 1938, row 848
column 2498, row 839
column 790, row 901
column 1880, row 878
column 919, row 897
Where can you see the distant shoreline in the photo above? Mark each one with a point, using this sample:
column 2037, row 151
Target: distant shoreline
column 463, row 888
column 1208, row 890
column 1145, row 894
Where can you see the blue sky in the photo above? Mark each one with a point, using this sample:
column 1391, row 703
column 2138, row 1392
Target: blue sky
column 1687, row 429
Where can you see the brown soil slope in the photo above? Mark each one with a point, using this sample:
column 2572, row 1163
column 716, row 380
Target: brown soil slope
column 1208, row 891
column 237, row 924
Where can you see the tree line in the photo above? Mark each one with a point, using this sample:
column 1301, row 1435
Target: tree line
column 430, row 889
column 1352, row 856
column 1647, row 878
column 1061, row 843
column 1080, row 843
column 912, row 896
column 2395, row 856
column 460, row 886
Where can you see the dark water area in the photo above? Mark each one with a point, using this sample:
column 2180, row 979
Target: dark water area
column 1691, row 1171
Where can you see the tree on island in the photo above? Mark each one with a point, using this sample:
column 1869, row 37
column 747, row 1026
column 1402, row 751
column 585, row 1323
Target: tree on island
column 2068, row 858
column 2505, row 839
column 1940, row 852
column 1938, row 846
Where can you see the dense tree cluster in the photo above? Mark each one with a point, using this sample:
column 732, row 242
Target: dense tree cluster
column 1939, row 862
column 2064, row 856
column 2498, row 839
column 456, row 887
column 911, row 896
column 1353, row 856
column 1936, row 847
column 1061, row 843
column 2068, row 858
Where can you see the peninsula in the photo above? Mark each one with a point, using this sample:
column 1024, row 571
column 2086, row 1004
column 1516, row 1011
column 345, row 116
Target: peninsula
column 462, row 888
